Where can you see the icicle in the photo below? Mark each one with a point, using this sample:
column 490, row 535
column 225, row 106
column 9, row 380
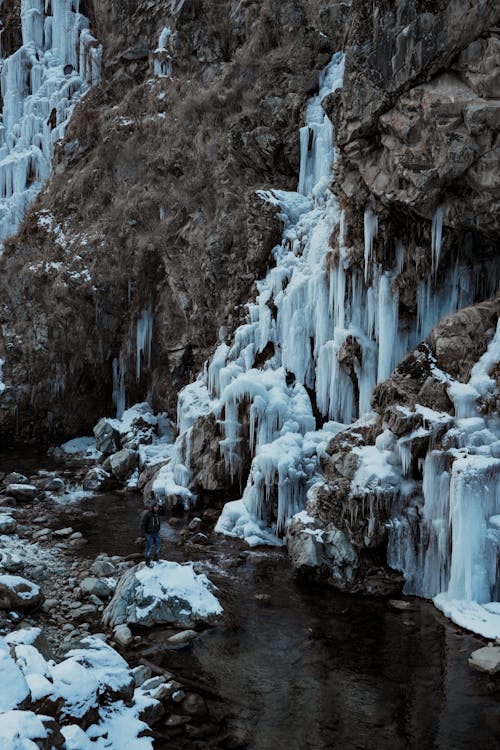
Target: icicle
column 144, row 339
column 436, row 237
column 371, row 229
column 119, row 395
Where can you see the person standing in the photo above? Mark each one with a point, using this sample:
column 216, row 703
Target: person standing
column 150, row 527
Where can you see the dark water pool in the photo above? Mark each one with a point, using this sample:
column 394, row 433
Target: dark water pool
column 301, row 668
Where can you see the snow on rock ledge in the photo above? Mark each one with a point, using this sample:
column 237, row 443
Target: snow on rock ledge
column 166, row 593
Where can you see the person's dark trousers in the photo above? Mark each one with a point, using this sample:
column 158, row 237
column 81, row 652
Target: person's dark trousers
column 153, row 543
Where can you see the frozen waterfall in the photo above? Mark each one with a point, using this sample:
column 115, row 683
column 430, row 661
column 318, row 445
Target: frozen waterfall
column 40, row 84
column 448, row 542
column 329, row 325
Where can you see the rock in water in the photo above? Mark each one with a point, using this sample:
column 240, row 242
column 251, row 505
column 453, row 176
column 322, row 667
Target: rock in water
column 166, row 593
column 486, row 659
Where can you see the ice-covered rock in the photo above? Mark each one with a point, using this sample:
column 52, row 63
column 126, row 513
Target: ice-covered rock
column 166, row 593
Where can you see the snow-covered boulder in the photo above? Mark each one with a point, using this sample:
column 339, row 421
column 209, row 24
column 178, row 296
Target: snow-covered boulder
column 14, row 690
column 8, row 524
column 19, row 593
column 24, row 730
column 166, row 593
column 91, row 696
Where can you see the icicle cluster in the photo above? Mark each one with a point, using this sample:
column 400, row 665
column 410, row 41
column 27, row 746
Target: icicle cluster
column 447, row 542
column 40, row 85
column 325, row 325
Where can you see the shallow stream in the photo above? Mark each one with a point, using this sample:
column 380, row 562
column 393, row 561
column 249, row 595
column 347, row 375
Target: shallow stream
column 298, row 667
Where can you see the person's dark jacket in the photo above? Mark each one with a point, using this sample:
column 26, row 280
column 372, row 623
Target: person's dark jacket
column 150, row 522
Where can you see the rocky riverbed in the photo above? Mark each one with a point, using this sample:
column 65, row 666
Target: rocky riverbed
column 347, row 666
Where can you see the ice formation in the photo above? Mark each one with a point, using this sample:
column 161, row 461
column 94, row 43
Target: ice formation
column 162, row 60
column 40, row 84
column 447, row 541
column 314, row 310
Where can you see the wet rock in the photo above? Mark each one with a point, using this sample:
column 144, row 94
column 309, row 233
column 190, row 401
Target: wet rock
column 400, row 605
column 8, row 524
column 183, row 637
column 8, row 502
column 56, row 484
column 63, row 533
column 486, row 659
column 123, row 635
column 95, row 479
column 195, row 705
column 176, row 720
column 322, row 552
column 15, row 478
column 19, row 594
column 22, row 491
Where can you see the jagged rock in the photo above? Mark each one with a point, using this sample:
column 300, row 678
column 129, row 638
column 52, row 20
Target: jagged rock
column 8, row 524
column 10, row 562
column 19, row 594
column 122, row 463
column 107, row 436
column 102, row 567
column 324, row 553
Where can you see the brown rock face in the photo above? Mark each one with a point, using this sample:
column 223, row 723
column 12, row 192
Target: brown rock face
column 410, row 134
column 153, row 205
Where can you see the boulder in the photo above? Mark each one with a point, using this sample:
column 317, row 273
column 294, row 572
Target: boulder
column 8, row 525
column 101, row 587
column 123, row 462
column 486, row 659
column 123, row 635
column 166, row 593
column 23, row 729
column 321, row 552
column 107, row 436
column 19, row 594
column 22, row 491
column 95, row 479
